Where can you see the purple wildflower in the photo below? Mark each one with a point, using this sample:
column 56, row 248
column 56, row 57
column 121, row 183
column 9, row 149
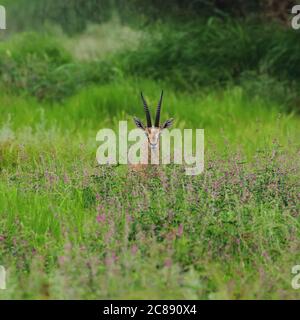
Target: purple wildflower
column 100, row 218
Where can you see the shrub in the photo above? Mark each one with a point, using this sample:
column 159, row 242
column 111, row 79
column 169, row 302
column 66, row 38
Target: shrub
column 38, row 65
column 220, row 52
column 71, row 15
column 199, row 53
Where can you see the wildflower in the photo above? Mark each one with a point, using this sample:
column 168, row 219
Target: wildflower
column 180, row 230
column 134, row 249
column 111, row 259
column 100, row 218
column 98, row 197
column 168, row 263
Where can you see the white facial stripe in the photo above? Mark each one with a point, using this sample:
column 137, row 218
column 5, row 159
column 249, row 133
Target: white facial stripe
column 153, row 136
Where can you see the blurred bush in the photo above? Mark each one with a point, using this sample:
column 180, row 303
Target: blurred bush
column 216, row 51
column 263, row 86
column 220, row 52
column 74, row 15
column 199, row 53
column 202, row 52
column 71, row 15
column 38, row 65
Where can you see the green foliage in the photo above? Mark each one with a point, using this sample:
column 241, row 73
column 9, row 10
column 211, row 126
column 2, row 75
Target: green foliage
column 215, row 51
column 70, row 229
column 188, row 56
column 168, row 236
column 38, row 65
column 71, row 15
column 29, row 63
column 220, row 52
column 74, row 15
column 231, row 232
column 283, row 58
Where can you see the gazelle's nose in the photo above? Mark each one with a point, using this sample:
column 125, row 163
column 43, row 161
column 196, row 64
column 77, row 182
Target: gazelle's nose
column 153, row 145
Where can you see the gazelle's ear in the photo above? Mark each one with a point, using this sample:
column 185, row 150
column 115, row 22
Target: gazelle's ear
column 167, row 124
column 138, row 123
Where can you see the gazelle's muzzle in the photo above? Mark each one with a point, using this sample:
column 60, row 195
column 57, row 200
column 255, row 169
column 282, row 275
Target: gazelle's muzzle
column 153, row 145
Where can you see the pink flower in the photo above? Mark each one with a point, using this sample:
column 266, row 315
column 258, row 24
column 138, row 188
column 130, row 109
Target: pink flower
column 168, row 263
column 180, row 230
column 2, row 238
column 134, row 249
column 100, row 218
column 110, row 259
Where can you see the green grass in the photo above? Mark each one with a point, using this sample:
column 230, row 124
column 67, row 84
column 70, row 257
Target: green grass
column 226, row 115
column 70, row 229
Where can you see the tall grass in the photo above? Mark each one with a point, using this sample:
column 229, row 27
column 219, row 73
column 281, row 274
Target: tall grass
column 70, row 229
column 226, row 115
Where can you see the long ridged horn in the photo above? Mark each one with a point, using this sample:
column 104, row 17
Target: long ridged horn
column 157, row 118
column 148, row 117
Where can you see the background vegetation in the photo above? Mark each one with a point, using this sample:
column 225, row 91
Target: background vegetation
column 70, row 229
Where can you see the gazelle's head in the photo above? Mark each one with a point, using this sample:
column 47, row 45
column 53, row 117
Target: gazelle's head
column 153, row 132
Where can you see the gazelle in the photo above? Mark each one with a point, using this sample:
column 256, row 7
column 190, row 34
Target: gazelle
column 152, row 132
